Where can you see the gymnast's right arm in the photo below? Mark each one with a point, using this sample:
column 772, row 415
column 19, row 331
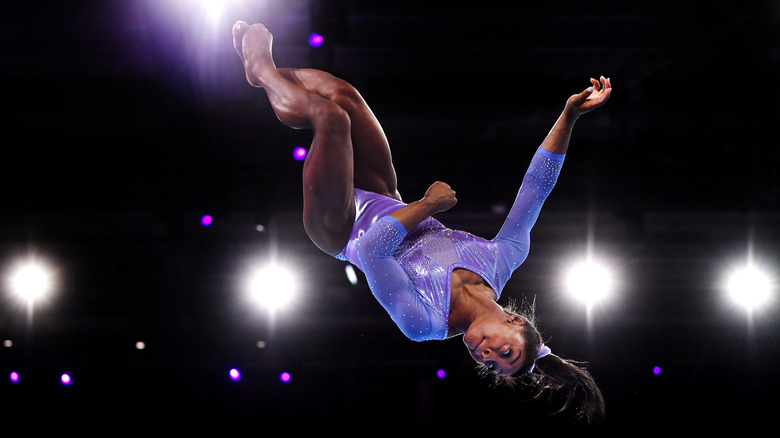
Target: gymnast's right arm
column 439, row 197
column 389, row 283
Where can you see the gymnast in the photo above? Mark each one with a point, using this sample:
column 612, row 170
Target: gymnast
column 434, row 282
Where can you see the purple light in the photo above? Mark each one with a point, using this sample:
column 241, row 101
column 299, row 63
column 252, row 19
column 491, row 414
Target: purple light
column 235, row 375
column 299, row 153
column 657, row 370
column 14, row 377
column 285, row 377
column 441, row 373
column 65, row 379
column 206, row 220
column 315, row 40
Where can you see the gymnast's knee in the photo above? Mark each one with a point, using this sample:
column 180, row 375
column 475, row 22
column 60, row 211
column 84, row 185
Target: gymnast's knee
column 329, row 115
column 344, row 95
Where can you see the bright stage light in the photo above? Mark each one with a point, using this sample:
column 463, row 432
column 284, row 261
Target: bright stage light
column 31, row 281
column 351, row 274
column 14, row 377
column 273, row 287
column 749, row 287
column 213, row 8
column 285, row 377
column 65, row 379
column 234, row 374
column 299, row 153
column 589, row 282
column 316, row 40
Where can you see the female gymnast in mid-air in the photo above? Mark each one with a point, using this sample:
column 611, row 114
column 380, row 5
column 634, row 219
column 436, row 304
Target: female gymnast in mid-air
column 434, row 282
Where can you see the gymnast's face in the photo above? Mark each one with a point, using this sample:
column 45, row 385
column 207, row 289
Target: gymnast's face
column 497, row 345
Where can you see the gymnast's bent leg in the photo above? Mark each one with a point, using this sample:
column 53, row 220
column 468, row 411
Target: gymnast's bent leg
column 328, row 190
column 373, row 163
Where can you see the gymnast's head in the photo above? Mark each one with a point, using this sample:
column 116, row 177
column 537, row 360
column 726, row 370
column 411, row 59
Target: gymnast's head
column 503, row 347
column 512, row 353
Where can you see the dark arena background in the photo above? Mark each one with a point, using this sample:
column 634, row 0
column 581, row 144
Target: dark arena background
column 148, row 183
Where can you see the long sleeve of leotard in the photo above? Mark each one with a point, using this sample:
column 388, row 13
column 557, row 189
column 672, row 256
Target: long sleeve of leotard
column 515, row 234
column 389, row 283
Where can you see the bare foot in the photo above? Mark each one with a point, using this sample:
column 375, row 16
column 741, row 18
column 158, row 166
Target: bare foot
column 253, row 45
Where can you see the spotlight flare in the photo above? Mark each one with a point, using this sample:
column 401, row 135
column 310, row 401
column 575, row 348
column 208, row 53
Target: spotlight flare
column 749, row 287
column 589, row 282
column 273, row 287
column 31, row 282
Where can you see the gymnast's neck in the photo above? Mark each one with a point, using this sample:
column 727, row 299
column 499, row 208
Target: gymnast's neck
column 470, row 297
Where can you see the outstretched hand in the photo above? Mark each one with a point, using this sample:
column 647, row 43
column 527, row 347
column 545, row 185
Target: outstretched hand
column 440, row 197
column 591, row 98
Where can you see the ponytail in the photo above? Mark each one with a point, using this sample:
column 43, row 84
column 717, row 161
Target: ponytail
column 555, row 377
column 555, row 380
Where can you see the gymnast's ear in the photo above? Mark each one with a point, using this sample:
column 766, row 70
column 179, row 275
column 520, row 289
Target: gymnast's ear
column 516, row 319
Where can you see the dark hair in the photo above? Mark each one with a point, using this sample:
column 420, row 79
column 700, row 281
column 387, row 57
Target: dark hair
column 557, row 380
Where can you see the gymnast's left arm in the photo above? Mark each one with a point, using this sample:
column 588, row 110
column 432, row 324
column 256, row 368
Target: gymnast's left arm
column 557, row 141
column 542, row 174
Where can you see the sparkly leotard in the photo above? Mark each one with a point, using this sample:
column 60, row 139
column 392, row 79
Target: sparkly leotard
column 409, row 272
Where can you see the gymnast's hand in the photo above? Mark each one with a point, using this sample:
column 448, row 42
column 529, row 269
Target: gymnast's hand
column 440, row 197
column 590, row 99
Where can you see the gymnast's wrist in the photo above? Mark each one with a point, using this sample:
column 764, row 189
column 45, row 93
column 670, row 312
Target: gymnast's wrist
column 429, row 205
column 569, row 116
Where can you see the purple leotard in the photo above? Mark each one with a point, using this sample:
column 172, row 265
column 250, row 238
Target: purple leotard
column 409, row 272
